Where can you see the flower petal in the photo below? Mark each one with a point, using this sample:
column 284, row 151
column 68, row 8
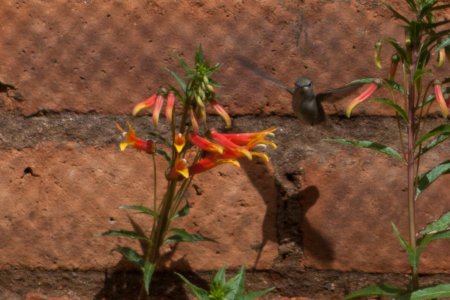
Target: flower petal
column 169, row 106
column 204, row 144
column 157, row 110
column 440, row 99
column 144, row 104
column 179, row 142
column 362, row 97
column 222, row 112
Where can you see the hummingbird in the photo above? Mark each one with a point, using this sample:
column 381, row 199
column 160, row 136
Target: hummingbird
column 306, row 104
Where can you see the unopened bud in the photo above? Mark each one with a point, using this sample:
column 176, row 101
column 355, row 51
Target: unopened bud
column 377, row 57
column 394, row 63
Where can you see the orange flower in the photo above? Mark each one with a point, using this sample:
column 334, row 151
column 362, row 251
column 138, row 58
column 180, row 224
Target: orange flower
column 229, row 146
column 169, row 106
column 251, row 139
column 221, row 111
column 144, row 104
column 157, row 110
column 204, row 144
column 130, row 139
column 362, row 97
column 179, row 142
column 440, row 99
column 179, row 168
column 209, row 163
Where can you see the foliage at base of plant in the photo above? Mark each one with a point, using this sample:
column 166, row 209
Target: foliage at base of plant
column 411, row 100
column 222, row 289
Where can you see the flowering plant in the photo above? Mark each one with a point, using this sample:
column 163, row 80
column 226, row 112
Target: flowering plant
column 417, row 90
column 191, row 148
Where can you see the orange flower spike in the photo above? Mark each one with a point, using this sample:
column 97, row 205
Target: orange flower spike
column 253, row 138
column 229, row 145
column 208, row 163
column 222, row 112
column 169, row 106
column 179, row 142
column 204, row 144
column 362, row 97
column 144, row 104
column 440, row 99
column 157, row 109
column 179, row 168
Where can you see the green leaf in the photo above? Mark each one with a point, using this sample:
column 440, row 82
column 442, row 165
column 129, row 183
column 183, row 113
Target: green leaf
column 163, row 154
column 198, row 292
column 395, row 86
column 148, row 271
column 364, row 80
column 219, row 278
column 236, row 285
column 441, row 129
column 426, row 179
column 125, row 233
column 412, row 5
column 256, row 294
column 441, row 224
column 434, row 142
column 181, row 235
column 398, row 109
column 434, row 292
column 420, row 73
column 412, row 254
column 444, row 43
column 141, row 209
column 131, row 255
column 397, row 14
column 178, row 79
column 375, row 290
column 182, row 212
column 370, row 145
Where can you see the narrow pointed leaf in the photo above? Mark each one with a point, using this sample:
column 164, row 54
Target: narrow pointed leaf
column 412, row 254
column 148, row 271
column 131, row 255
column 178, row 79
column 182, row 212
column 435, row 292
column 256, row 294
column 412, row 5
column 163, row 154
column 235, row 285
column 125, row 233
column 397, row 14
column 434, row 142
column 181, row 235
column 395, row 86
column 426, row 179
column 219, row 278
column 441, row 129
column 398, row 109
column 375, row 290
column 141, row 209
column 444, row 43
column 441, row 224
column 370, row 145
column 420, row 73
column 198, row 292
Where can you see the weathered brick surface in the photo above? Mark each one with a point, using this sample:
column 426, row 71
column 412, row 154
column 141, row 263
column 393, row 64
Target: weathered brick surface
column 50, row 217
column 104, row 56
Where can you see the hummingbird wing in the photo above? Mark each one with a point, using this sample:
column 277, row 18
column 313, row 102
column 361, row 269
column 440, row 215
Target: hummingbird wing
column 338, row 93
column 255, row 69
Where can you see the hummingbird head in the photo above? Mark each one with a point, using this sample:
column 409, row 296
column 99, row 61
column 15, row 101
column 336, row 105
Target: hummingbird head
column 303, row 82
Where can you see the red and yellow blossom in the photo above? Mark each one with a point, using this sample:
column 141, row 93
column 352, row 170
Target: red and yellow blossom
column 180, row 167
column 179, row 142
column 222, row 112
column 440, row 99
column 362, row 97
column 208, row 163
column 157, row 101
column 130, row 139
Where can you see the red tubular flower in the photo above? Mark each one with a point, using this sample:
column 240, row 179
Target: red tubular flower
column 179, row 168
column 157, row 110
column 130, row 139
column 440, row 99
column 194, row 121
column 229, row 145
column 204, row 144
column 221, row 111
column 362, row 97
column 209, row 163
column 251, row 139
column 144, row 104
column 169, row 106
